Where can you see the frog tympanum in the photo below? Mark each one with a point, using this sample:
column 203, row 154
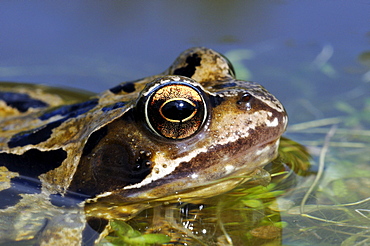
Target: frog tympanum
column 161, row 138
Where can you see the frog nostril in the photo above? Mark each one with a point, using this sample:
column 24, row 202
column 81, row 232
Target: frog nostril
column 245, row 101
column 246, row 97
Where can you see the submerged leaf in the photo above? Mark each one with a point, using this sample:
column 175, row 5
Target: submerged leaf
column 124, row 234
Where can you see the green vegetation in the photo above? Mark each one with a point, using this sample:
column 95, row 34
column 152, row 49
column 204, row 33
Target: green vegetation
column 125, row 235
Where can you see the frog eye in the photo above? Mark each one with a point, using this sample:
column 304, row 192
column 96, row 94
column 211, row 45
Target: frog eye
column 175, row 109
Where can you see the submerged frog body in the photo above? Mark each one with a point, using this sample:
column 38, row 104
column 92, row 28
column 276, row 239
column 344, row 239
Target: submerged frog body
column 161, row 138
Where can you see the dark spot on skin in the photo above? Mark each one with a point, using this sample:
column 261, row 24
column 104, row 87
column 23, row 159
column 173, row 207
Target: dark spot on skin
column 192, row 61
column 22, row 102
column 71, row 111
column 216, row 100
column 93, row 140
column 127, row 87
column 34, row 136
column 224, row 85
column 43, row 133
column 113, row 106
column 29, row 166
column 92, row 230
column 33, row 162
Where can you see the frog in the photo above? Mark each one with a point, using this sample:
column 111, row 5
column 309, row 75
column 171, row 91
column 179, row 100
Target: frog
column 68, row 167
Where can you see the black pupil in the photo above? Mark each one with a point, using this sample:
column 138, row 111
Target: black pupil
column 178, row 110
